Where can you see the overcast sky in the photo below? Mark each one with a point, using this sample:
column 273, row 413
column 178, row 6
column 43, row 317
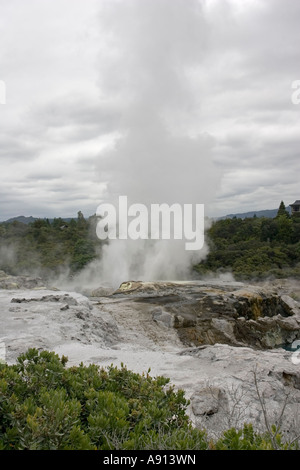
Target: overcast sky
column 161, row 100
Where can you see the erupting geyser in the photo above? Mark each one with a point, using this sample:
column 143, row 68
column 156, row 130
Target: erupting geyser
column 157, row 157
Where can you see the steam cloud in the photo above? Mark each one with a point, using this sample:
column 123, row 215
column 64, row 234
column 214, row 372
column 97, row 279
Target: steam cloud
column 148, row 75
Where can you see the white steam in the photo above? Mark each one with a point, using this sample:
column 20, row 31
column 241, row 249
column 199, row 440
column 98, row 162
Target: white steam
column 148, row 52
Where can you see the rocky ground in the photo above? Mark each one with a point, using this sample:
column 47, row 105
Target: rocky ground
column 222, row 342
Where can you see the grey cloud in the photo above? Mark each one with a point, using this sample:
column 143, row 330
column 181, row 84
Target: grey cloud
column 14, row 148
column 43, row 175
column 193, row 90
column 74, row 110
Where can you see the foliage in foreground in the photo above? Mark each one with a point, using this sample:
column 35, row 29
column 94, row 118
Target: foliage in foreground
column 45, row 405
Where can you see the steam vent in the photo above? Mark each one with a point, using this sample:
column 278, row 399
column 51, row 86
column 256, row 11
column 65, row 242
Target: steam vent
column 296, row 208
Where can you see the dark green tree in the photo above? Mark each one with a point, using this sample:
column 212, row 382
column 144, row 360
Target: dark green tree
column 282, row 210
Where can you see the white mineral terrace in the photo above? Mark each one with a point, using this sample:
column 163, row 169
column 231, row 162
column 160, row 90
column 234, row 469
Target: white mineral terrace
column 217, row 378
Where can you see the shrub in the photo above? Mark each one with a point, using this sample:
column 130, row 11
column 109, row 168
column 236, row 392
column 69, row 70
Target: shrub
column 46, row 406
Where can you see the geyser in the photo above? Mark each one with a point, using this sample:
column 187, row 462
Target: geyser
column 158, row 156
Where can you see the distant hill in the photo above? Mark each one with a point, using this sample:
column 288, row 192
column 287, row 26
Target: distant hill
column 30, row 219
column 22, row 219
column 270, row 213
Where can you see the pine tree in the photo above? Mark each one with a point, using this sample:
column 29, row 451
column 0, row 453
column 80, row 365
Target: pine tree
column 282, row 210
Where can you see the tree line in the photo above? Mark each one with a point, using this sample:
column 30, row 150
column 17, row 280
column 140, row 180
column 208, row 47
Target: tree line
column 48, row 247
column 249, row 248
column 256, row 247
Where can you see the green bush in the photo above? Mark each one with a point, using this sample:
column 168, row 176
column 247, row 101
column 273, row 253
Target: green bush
column 45, row 405
column 253, row 248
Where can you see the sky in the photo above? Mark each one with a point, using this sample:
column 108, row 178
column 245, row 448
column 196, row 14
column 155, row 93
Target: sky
column 177, row 101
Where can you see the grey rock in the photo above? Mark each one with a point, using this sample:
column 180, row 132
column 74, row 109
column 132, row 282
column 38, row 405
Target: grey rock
column 238, row 385
column 162, row 317
column 216, row 312
column 64, row 307
column 8, row 281
column 206, row 401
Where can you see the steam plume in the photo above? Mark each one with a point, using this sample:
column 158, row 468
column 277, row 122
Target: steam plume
column 154, row 48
